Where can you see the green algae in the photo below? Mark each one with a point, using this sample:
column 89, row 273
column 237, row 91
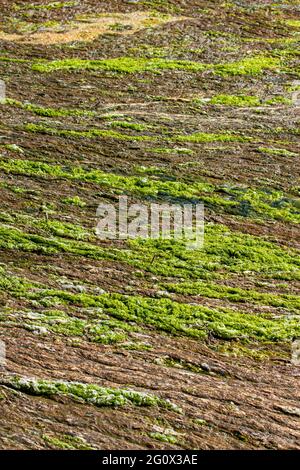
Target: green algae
column 204, row 137
column 267, row 204
column 236, row 100
column 52, row 227
column 88, row 393
column 235, row 294
column 164, row 437
column 163, row 314
column 242, row 201
column 67, row 442
column 280, row 100
column 48, row 112
column 259, row 352
column 119, row 65
column 135, row 184
column 248, row 66
column 176, row 318
column 224, row 252
column 74, row 201
column 14, row 60
column 91, row 133
column 278, row 152
column 129, row 125
column 47, row 6
column 197, row 321
column 293, row 23
column 197, row 137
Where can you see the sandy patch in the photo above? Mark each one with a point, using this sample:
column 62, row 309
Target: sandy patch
column 89, row 28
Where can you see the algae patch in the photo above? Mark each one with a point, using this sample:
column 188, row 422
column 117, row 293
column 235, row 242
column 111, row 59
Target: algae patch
column 86, row 393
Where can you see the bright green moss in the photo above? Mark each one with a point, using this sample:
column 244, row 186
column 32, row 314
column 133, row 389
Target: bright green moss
column 134, row 184
column 180, row 364
column 204, row 137
column 267, row 204
column 197, row 321
column 258, row 352
column 47, row 6
column 120, row 65
column 13, row 59
column 184, row 319
column 235, row 100
column 97, row 329
column 74, row 201
column 235, row 294
column 66, row 327
column 54, row 227
column 161, row 5
column 163, row 437
column 14, row 239
column 91, row 133
column 162, row 314
column 248, row 66
column 279, row 152
column 198, row 137
column 232, row 251
column 279, row 100
column 64, row 229
column 200, row 422
column 13, row 148
column 90, row 393
column 48, row 112
column 129, row 125
column 293, row 23
column 13, row 284
column 223, row 252
column 67, row 442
